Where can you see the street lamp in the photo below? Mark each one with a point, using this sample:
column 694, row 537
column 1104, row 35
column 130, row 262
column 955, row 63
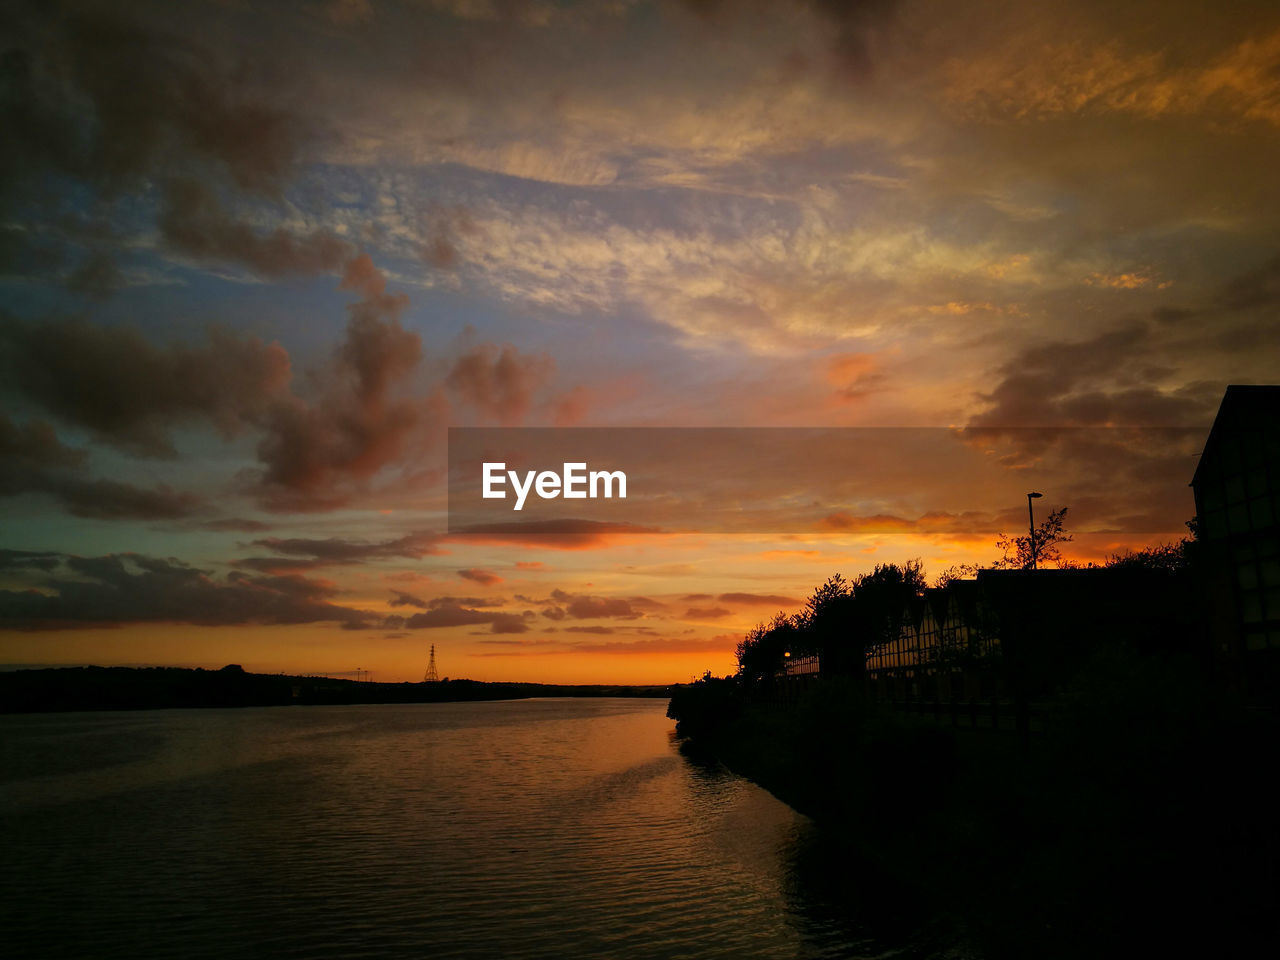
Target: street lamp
column 1031, row 525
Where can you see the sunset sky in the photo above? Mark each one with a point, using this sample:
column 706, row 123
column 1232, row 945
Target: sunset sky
column 256, row 258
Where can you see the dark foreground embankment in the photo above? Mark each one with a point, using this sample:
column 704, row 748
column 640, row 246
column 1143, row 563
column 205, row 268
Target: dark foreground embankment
column 1141, row 823
column 150, row 688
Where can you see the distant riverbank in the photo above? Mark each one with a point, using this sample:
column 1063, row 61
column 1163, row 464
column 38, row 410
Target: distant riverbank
column 155, row 688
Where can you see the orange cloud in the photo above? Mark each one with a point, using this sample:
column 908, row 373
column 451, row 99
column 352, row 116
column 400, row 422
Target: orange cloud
column 757, row 599
column 854, row 375
column 1126, row 281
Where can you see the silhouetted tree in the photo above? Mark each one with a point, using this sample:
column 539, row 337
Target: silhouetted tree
column 1019, row 552
column 827, row 624
column 1168, row 558
column 881, row 598
column 841, row 623
column 957, row 571
column 762, row 652
column 846, row 621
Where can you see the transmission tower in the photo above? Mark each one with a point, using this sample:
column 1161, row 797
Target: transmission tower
column 431, row 676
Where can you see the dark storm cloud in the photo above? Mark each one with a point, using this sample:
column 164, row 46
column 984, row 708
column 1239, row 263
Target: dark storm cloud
column 97, row 277
column 29, row 560
column 32, row 447
column 34, row 460
column 194, row 222
column 102, row 499
column 1098, row 381
column 131, row 588
column 92, row 94
column 131, row 393
column 1118, row 376
column 1259, row 287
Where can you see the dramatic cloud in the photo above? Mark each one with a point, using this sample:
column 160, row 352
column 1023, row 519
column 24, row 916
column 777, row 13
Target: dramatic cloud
column 100, row 99
column 33, row 460
column 1045, row 79
column 483, row 577
column 1104, row 380
column 583, row 607
column 29, row 560
column 1030, row 227
column 318, row 454
column 335, row 550
column 500, row 382
column 109, row 500
column 130, row 393
column 130, row 588
column 31, row 448
column 193, row 222
column 402, row 599
column 106, row 99
column 452, row 612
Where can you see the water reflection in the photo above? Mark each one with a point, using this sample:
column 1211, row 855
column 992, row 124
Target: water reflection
column 841, row 905
column 521, row 830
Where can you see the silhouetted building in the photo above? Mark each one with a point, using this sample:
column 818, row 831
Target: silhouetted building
column 947, row 638
column 1237, row 493
column 1018, row 634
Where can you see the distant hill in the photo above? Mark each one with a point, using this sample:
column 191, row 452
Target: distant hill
column 154, row 688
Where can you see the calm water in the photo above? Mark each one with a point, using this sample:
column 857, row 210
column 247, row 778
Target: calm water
column 537, row 828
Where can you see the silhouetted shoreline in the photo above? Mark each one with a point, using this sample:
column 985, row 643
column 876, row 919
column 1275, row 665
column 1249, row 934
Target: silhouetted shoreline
column 157, row 688
column 1139, row 824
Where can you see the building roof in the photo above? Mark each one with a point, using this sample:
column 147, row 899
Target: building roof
column 1247, row 410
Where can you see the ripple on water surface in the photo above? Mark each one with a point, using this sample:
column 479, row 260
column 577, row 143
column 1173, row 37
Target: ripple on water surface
column 521, row 829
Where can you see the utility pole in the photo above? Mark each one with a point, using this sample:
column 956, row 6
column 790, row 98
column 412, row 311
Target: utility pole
column 1031, row 526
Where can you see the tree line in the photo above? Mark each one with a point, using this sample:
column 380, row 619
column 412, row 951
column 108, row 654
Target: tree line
column 843, row 621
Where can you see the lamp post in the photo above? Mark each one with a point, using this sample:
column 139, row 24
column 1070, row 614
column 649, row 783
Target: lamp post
column 1031, row 525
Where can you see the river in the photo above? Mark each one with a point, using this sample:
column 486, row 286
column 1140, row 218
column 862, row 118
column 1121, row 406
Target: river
column 518, row 829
